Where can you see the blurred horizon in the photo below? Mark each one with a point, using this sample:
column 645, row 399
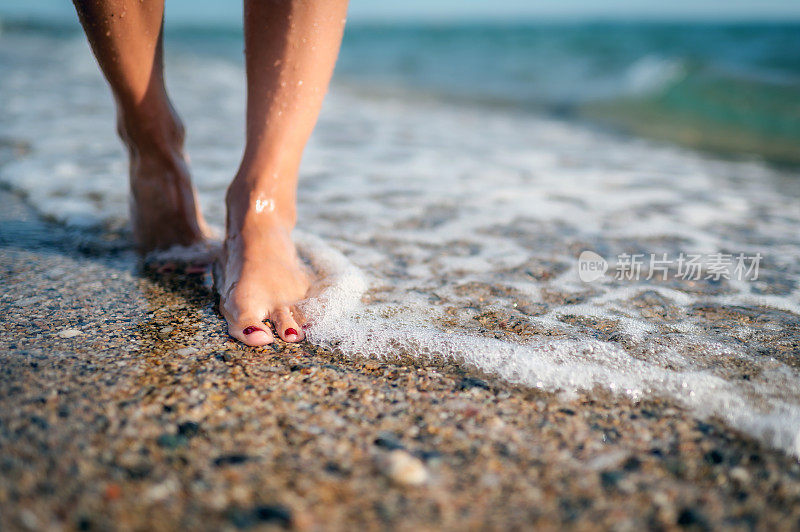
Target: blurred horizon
column 729, row 84
column 207, row 12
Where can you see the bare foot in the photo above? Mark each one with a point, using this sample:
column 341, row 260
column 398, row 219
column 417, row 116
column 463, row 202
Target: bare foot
column 258, row 275
column 164, row 208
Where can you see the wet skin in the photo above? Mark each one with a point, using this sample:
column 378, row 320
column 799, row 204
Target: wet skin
column 290, row 49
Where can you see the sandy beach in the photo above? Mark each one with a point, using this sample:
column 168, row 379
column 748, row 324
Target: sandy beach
column 123, row 404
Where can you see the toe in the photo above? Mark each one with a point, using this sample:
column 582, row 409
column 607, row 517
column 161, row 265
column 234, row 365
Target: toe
column 288, row 327
column 249, row 330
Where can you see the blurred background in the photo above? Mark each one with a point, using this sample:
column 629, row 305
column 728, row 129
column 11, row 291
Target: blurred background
column 717, row 75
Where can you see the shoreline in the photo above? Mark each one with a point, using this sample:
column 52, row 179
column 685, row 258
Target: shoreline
column 151, row 417
column 624, row 115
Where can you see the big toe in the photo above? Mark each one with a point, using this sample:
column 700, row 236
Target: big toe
column 287, row 324
column 251, row 332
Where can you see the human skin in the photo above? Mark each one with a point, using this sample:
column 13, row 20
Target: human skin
column 126, row 38
column 290, row 51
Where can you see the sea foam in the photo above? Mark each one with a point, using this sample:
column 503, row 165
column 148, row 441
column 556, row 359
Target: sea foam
column 340, row 321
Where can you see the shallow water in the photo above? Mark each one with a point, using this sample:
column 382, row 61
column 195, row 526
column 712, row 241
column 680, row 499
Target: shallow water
column 454, row 231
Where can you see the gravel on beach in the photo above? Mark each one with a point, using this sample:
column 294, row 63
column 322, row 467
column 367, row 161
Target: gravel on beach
column 124, row 405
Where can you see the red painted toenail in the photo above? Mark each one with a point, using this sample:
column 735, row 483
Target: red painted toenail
column 251, row 330
column 289, row 332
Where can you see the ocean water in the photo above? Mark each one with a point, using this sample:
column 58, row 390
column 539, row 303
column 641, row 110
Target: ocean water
column 445, row 214
column 731, row 88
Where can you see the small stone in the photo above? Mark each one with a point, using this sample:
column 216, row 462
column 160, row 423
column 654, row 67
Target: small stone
column 387, row 440
column 171, row 441
column 692, row 517
column 610, row 479
column 632, row 464
column 29, row 520
column 714, row 457
column 472, row 382
column 69, row 333
column 230, row 459
column 188, row 429
column 112, row 492
column 167, row 330
column 161, row 492
column 273, row 513
column 496, row 424
column 241, row 518
column 405, row 469
column 740, row 475
column 186, row 351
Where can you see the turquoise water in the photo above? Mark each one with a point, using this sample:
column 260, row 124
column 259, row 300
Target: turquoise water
column 733, row 87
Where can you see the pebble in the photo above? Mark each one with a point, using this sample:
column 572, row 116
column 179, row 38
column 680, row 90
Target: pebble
column 472, row 382
column 387, row 440
column 610, row 479
column 69, row 333
column 188, row 429
column 29, row 520
column 112, row 492
column 171, row 441
column 274, row 513
column 691, row 517
column 230, row 459
column 264, row 514
column 405, row 469
column 740, row 475
column 186, row 351
column 161, row 492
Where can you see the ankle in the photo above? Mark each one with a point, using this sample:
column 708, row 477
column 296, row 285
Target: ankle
column 151, row 130
column 251, row 203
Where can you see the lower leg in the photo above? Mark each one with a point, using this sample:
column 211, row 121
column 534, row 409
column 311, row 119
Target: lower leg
column 126, row 38
column 291, row 48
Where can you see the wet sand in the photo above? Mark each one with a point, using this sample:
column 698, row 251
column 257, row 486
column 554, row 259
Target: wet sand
column 123, row 405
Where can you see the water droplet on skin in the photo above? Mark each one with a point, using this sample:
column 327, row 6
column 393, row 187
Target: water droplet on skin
column 299, row 82
column 263, row 205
